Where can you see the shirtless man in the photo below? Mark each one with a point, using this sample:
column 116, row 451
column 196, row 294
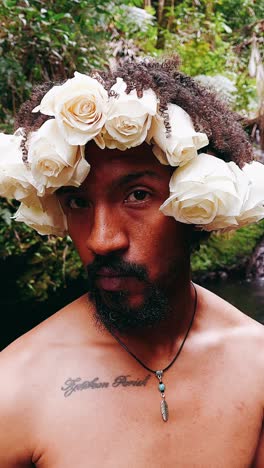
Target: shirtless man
column 72, row 393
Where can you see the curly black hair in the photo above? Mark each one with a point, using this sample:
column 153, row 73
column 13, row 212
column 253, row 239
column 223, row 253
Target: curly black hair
column 227, row 139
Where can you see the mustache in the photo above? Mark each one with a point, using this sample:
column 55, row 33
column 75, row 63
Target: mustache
column 119, row 266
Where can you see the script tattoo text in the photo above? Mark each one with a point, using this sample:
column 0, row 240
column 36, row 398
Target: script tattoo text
column 74, row 385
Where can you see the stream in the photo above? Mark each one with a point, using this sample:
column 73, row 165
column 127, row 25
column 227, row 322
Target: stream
column 246, row 295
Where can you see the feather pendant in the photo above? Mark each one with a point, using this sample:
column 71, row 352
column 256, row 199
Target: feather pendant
column 164, row 410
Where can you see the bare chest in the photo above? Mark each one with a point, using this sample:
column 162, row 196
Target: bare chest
column 116, row 421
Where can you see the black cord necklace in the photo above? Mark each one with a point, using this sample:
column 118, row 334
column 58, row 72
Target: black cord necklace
column 159, row 373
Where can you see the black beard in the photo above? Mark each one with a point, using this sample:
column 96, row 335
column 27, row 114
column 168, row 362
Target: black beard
column 112, row 309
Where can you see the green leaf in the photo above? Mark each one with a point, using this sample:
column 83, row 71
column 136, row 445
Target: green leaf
column 6, row 214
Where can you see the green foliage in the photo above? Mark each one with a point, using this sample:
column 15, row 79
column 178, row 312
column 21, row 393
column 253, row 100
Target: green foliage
column 50, row 268
column 201, row 44
column 227, row 251
column 45, row 264
column 239, row 14
column 45, row 40
column 215, row 38
column 246, row 96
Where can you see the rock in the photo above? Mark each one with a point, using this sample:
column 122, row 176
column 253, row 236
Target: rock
column 256, row 264
column 223, row 275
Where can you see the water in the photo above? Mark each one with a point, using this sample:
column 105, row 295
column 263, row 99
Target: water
column 247, row 296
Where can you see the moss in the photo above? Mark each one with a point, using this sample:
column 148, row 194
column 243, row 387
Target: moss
column 227, row 251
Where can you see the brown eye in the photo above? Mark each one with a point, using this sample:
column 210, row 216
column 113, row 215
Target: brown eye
column 137, row 196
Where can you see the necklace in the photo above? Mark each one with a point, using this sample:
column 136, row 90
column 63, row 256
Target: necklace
column 159, row 373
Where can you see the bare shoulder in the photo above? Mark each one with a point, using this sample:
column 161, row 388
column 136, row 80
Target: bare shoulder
column 239, row 341
column 31, row 360
column 242, row 336
column 27, row 361
column 26, row 365
column 60, row 329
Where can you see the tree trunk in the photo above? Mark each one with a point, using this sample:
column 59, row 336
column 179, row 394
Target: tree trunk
column 171, row 16
column 165, row 20
column 161, row 5
column 147, row 3
column 209, row 15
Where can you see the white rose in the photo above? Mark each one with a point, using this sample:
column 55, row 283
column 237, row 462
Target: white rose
column 128, row 119
column 183, row 142
column 53, row 161
column 16, row 180
column 207, row 192
column 45, row 215
column 79, row 106
column 253, row 207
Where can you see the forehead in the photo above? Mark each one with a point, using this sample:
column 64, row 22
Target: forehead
column 110, row 164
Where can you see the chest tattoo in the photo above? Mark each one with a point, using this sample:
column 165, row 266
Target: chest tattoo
column 74, row 385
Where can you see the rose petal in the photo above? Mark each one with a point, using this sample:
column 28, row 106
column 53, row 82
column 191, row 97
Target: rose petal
column 207, row 192
column 46, row 217
column 80, row 106
column 16, row 180
column 53, row 161
column 182, row 143
column 128, row 119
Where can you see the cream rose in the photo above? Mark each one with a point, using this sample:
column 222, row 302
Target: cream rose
column 207, row 192
column 79, row 106
column 253, row 207
column 53, row 161
column 16, row 180
column 45, row 215
column 129, row 118
column 183, row 141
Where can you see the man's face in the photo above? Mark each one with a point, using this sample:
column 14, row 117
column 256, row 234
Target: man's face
column 134, row 254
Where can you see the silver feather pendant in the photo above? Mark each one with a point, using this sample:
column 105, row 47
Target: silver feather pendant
column 164, row 410
column 163, row 404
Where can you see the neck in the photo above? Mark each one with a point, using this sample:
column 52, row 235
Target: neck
column 158, row 345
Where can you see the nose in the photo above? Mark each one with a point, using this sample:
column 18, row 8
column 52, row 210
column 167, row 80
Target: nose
column 108, row 232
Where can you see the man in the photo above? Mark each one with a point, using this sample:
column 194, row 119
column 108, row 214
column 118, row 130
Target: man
column 148, row 369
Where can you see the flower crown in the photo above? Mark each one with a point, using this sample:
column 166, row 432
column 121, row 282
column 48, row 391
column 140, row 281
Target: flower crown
column 204, row 190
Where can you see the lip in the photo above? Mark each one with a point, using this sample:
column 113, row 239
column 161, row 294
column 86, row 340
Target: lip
column 111, row 282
